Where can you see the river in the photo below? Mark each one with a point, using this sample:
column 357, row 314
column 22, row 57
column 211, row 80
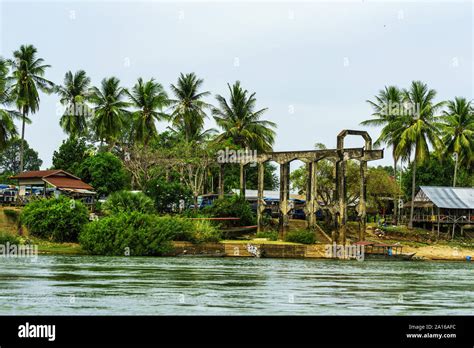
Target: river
column 94, row 285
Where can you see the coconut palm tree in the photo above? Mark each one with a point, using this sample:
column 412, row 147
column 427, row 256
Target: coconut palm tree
column 389, row 112
column 148, row 98
column 73, row 95
column 7, row 127
column 188, row 108
column 419, row 130
column 458, row 129
column 109, row 110
column 28, row 77
column 241, row 122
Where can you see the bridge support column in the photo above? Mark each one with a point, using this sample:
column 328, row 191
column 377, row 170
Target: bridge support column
column 284, row 220
column 363, row 200
column 260, row 201
column 340, row 236
column 312, row 205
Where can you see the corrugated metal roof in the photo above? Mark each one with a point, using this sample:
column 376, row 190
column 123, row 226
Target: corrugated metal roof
column 450, row 197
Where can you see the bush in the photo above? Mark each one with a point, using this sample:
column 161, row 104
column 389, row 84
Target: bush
column 234, row 206
column 59, row 220
column 142, row 234
column 166, row 194
column 302, row 236
column 270, row 235
column 8, row 238
column 12, row 215
column 126, row 201
column 205, row 231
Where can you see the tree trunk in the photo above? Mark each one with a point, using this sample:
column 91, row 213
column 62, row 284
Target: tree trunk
column 22, row 145
column 413, row 185
column 195, row 197
column 395, row 201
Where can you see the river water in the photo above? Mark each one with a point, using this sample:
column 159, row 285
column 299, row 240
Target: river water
column 92, row 285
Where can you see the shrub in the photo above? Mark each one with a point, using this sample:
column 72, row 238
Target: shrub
column 8, row 238
column 126, row 201
column 234, row 206
column 12, row 215
column 142, row 234
column 302, row 236
column 205, row 231
column 270, row 235
column 166, row 194
column 59, row 220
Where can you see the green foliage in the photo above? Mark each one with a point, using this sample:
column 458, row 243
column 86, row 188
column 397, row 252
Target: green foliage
column 104, row 172
column 166, row 193
column 234, row 206
column 10, row 160
column 270, row 235
column 436, row 172
column 301, row 236
column 12, row 215
column 205, row 231
column 140, row 234
column 126, row 201
column 8, row 238
column 70, row 155
column 58, row 220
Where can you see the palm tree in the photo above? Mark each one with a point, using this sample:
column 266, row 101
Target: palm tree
column 7, row 127
column 188, row 109
column 27, row 76
column 458, row 130
column 73, row 95
column 420, row 129
column 109, row 111
column 241, row 123
column 149, row 98
column 388, row 112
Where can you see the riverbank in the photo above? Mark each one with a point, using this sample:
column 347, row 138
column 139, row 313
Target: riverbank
column 271, row 249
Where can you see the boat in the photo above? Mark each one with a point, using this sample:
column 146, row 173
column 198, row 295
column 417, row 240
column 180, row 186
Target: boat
column 381, row 251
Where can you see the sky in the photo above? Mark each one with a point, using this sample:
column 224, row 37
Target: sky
column 313, row 64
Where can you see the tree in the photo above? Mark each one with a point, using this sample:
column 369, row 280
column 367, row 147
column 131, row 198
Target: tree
column 149, row 98
column 109, row 111
column 104, row 172
column 241, row 122
column 436, row 172
column 166, row 194
column 458, row 130
column 188, row 108
column 71, row 154
column 380, row 185
column 73, row 96
column 420, row 130
column 389, row 111
column 7, row 127
column 27, row 76
column 10, row 158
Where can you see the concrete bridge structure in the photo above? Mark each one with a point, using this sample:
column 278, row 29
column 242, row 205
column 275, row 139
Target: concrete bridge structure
column 339, row 156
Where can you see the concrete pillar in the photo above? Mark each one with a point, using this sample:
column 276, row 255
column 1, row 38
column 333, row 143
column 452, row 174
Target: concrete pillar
column 221, row 181
column 341, row 199
column 242, row 180
column 284, row 220
column 363, row 200
column 312, row 205
column 260, row 201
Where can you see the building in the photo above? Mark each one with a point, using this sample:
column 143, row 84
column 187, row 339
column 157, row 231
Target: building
column 53, row 182
column 439, row 205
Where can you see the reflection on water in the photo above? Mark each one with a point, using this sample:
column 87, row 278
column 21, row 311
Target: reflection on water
column 185, row 286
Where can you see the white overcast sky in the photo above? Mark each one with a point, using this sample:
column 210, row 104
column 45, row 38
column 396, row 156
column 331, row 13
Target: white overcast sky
column 313, row 64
